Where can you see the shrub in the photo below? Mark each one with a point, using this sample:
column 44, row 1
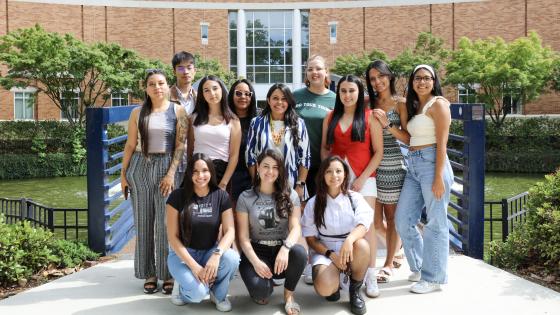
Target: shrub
column 14, row 166
column 537, row 241
column 26, row 250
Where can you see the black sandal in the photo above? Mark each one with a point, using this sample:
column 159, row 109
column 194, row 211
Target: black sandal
column 167, row 287
column 150, row 286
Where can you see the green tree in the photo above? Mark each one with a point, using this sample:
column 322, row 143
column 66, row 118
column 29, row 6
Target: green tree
column 356, row 64
column 61, row 66
column 206, row 67
column 501, row 71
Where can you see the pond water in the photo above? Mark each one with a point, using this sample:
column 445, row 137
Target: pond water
column 72, row 191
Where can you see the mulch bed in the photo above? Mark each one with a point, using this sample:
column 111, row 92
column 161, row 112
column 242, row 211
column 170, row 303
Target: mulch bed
column 47, row 275
column 540, row 276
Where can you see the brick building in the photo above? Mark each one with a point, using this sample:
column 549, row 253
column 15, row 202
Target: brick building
column 267, row 41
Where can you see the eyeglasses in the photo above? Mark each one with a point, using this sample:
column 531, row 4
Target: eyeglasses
column 425, row 79
column 241, row 94
column 185, row 69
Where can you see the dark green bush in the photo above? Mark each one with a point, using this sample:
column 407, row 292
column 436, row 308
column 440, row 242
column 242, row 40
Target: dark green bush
column 524, row 145
column 14, row 166
column 25, row 250
column 537, row 241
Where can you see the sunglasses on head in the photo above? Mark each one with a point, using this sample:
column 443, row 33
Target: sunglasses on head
column 241, row 93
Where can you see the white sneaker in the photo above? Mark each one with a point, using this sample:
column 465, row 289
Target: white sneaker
column 223, row 306
column 176, row 296
column 372, row 290
column 278, row 282
column 414, row 276
column 307, row 274
column 425, row 287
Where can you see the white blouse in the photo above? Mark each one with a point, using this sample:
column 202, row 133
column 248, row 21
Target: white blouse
column 340, row 218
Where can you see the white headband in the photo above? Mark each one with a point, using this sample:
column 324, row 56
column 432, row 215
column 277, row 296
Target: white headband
column 427, row 67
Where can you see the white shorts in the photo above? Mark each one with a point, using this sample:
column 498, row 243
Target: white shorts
column 320, row 259
column 370, row 186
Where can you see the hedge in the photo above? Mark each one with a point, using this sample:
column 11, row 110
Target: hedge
column 521, row 145
column 17, row 166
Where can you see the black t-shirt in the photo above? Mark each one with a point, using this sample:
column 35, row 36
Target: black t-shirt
column 206, row 215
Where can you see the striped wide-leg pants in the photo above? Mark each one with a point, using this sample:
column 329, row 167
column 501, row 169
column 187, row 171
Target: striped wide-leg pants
column 148, row 204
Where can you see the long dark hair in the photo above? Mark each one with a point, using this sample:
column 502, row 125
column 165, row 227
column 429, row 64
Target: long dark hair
column 323, row 189
column 281, row 186
column 384, row 69
column 185, row 221
column 252, row 104
column 145, row 111
column 358, row 123
column 201, row 108
column 290, row 116
column 412, row 98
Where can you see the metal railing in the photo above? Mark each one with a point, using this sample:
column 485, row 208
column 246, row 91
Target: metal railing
column 467, row 213
column 67, row 223
column 511, row 212
column 110, row 217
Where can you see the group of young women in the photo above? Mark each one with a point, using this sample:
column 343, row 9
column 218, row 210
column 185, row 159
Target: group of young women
column 249, row 174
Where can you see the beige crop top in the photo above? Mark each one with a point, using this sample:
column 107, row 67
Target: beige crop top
column 421, row 127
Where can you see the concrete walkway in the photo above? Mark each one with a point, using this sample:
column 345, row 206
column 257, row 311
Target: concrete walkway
column 110, row 288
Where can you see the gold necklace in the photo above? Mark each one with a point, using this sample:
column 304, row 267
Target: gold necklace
column 276, row 135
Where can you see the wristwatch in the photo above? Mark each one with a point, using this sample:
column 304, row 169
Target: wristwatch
column 390, row 125
column 288, row 244
column 328, row 253
column 301, row 183
column 217, row 251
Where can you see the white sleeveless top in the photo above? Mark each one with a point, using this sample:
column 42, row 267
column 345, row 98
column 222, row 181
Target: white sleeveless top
column 421, row 127
column 212, row 140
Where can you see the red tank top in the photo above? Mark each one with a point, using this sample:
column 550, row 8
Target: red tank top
column 357, row 153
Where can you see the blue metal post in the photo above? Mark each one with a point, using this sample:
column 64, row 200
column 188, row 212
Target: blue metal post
column 474, row 150
column 96, row 132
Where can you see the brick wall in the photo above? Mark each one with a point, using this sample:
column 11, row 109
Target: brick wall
column 158, row 33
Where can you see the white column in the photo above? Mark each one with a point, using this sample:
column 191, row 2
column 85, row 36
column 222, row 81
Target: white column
column 296, row 49
column 241, row 45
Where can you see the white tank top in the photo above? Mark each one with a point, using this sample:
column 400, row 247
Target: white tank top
column 212, row 140
column 421, row 127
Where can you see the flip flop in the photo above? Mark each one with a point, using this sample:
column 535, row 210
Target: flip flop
column 384, row 275
column 292, row 306
column 151, row 286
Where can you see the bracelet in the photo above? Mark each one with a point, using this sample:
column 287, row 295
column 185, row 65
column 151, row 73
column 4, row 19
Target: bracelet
column 328, row 253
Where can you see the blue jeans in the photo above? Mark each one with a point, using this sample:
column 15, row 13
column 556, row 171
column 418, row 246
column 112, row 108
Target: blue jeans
column 193, row 291
column 427, row 254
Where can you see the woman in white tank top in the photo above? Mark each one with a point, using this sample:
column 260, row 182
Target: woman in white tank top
column 216, row 129
column 427, row 183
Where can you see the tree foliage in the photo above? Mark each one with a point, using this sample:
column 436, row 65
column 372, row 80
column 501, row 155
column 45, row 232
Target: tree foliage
column 206, row 67
column 498, row 71
column 429, row 49
column 61, row 66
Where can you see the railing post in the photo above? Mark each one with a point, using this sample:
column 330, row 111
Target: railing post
column 505, row 221
column 22, row 209
column 474, row 131
column 96, row 158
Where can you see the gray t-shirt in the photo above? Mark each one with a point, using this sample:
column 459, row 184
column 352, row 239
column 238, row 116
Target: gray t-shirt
column 264, row 222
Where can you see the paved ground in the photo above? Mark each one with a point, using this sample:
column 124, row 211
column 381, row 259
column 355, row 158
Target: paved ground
column 110, row 288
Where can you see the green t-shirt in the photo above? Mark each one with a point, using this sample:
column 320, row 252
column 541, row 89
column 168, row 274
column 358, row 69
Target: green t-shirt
column 313, row 108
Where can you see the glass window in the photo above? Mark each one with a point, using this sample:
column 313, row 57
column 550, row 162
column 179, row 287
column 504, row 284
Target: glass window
column 466, row 95
column 204, row 33
column 269, row 44
column 70, row 102
column 233, row 57
column 232, row 38
column 332, row 32
column 23, row 105
column 232, row 20
column 119, row 99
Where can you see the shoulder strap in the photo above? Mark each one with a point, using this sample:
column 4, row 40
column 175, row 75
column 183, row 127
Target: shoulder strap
column 430, row 103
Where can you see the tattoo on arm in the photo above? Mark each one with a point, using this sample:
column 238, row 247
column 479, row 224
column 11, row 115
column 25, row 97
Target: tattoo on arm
column 182, row 128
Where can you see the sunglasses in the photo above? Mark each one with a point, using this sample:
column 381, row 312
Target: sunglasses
column 241, row 94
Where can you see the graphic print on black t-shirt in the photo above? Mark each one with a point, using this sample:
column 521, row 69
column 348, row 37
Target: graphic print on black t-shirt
column 201, row 209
